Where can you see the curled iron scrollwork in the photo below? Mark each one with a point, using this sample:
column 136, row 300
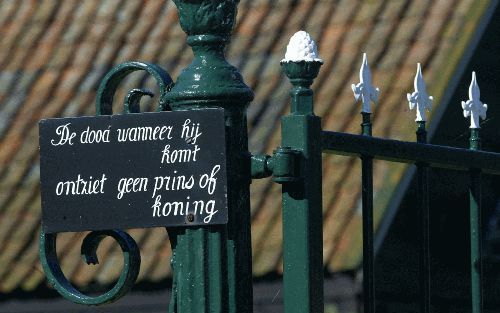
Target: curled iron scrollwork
column 131, row 254
column 107, row 89
column 55, row 276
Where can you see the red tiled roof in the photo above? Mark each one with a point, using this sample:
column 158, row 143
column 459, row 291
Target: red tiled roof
column 53, row 55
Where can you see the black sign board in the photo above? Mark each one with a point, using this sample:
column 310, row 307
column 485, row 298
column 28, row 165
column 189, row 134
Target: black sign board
column 133, row 171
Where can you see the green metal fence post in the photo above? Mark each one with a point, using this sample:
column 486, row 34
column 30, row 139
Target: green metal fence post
column 367, row 207
column 475, row 109
column 423, row 212
column 475, row 229
column 365, row 92
column 212, row 265
column 421, row 102
column 302, row 200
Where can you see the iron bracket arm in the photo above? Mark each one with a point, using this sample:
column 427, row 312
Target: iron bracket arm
column 283, row 165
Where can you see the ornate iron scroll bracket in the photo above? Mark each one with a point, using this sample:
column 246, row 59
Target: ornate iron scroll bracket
column 55, row 276
column 107, row 89
column 131, row 254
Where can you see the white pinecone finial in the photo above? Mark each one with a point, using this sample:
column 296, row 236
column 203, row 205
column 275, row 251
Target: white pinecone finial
column 364, row 89
column 419, row 98
column 474, row 107
column 302, row 48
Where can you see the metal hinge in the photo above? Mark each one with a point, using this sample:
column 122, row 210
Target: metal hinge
column 283, row 165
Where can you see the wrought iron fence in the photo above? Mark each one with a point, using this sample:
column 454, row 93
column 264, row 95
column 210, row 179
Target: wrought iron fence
column 420, row 153
column 302, row 219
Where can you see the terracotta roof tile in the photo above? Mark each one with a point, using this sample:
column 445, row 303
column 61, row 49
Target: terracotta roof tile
column 7, row 10
column 13, row 30
column 343, row 11
column 6, row 79
column 368, row 12
column 394, row 8
column 52, row 58
column 160, row 271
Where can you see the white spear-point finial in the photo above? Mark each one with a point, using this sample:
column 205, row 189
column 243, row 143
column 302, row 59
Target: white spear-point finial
column 419, row 98
column 364, row 89
column 474, row 107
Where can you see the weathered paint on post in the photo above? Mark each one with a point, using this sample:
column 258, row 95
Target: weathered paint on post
column 302, row 214
column 212, row 265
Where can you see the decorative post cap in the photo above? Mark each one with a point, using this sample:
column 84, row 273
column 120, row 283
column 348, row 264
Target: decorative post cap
column 474, row 107
column 301, row 65
column 302, row 48
column 302, row 62
column 364, row 88
column 420, row 98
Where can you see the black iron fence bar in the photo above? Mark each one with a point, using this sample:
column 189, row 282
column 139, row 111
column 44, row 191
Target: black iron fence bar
column 410, row 152
column 366, row 93
column 423, row 213
column 367, row 205
column 475, row 228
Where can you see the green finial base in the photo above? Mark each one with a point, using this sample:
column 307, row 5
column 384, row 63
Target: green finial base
column 475, row 139
column 301, row 75
column 421, row 132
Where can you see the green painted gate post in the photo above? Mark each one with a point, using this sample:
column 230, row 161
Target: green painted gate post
column 302, row 199
column 212, row 265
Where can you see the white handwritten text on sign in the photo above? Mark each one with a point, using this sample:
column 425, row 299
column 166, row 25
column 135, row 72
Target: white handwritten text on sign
column 133, row 171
